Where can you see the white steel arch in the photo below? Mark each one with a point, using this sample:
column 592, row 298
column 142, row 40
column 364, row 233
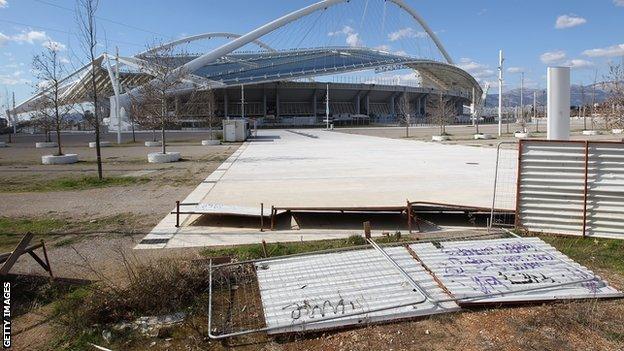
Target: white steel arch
column 289, row 18
column 211, row 35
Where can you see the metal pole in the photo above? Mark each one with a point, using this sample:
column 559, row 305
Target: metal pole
column 243, row 101
column 117, row 100
column 14, row 117
column 522, row 101
column 501, row 59
column 327, row 109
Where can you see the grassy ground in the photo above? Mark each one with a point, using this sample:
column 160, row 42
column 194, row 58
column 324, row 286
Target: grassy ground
column 598, row 253
column 58, row 232
column 256, row 251
column 16, row 185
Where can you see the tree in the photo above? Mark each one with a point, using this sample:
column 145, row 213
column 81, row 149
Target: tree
column 201, row 105
column 406, row 112
column 154, row 101
column 613, row 106
column 85, row 14
column 441, row 109
column 51, row 113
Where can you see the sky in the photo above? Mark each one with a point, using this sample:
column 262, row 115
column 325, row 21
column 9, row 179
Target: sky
column 587, row 35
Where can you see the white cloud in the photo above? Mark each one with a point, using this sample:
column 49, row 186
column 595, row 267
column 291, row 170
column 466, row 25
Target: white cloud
column 13, row 78
column 569, row 21
column 30, row 37
column 4, row 3
column 618, row 3
column 54, row 45
column 615, row 50
column 553, row 57
column 515, row 69
column 578, row 64
column 352, row 37
column 478, row 70
column 4, row 39
column 407, row 32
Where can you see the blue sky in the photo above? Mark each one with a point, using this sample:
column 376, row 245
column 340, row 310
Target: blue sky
column 584, row 34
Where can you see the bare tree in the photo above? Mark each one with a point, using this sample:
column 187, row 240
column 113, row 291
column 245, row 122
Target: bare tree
column 441, row 110
column 52, row 110
column 406, row 112
column 613, row 106
column 154, row 100
column 201, row 105
column 85, row 14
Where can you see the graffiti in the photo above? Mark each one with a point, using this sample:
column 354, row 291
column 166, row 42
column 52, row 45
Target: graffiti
column 526, row 278
column 499, row 268
column 311, row 310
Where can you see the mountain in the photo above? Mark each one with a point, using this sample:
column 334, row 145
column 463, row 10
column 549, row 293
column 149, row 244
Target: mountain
column 511, row 98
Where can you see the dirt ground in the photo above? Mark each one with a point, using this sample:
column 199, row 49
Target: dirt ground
column 100, row 255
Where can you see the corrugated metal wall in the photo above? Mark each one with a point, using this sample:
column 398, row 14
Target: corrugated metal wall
column 572, row 188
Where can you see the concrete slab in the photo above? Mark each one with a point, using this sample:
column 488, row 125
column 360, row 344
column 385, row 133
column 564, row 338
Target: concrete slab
column 314, row 168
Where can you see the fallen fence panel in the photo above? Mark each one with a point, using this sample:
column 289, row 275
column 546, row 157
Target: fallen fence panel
column 509, row 270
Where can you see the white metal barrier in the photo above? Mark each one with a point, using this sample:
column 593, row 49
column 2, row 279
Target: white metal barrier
column 571, row 188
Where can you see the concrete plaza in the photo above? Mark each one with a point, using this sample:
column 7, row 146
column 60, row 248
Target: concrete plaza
column 315, row 168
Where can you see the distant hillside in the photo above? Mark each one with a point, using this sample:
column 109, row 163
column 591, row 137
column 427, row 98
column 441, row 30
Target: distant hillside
column 512, row 97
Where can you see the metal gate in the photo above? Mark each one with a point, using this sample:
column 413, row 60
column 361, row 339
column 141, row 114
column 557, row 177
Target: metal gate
column 571, row 188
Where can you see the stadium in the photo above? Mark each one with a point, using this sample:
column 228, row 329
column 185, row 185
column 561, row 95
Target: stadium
column 288, row 86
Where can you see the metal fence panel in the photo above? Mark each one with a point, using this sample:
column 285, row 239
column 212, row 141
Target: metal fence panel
column 517, row 267
column 605, row 191
column 308, row 293
column 572, row 188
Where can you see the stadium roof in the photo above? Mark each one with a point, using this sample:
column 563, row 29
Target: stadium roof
column 224, row 66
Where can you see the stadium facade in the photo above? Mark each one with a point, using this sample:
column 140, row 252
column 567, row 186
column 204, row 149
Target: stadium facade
column 280, row 87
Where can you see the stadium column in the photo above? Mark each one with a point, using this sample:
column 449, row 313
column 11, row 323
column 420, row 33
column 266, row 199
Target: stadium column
column 314, row 102
column 358, row 97
column 277, row 102
column 225, row 104
column 367, row 102
column 392, row 103
column 264, row 101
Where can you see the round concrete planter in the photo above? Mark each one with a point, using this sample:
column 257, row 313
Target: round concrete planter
column 482, row 136
column 153, row 143
column 440, row 138
column 591, row 132
column 3, row 144
column 102, row 144
column 522, row 135
column 211, row 142
column 158, row 157
column 59, row 160
column 46, row 145
column 617, row 131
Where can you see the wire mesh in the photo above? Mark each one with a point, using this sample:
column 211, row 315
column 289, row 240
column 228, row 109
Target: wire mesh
column 505, row 185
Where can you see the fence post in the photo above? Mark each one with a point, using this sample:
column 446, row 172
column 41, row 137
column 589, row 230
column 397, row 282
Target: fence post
column 517, row 222
column 367, row 230
column 262, row 217
column 585, row 188
column 177, row 214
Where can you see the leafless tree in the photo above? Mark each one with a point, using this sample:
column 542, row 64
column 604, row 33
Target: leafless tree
column 406, row 112
column 85, row 15
column 441, row 109
column 613, row 106
column 52, row 110
column 154, row 99
column 201, row 105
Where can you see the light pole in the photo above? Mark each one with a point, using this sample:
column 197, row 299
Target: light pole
column 501, row 59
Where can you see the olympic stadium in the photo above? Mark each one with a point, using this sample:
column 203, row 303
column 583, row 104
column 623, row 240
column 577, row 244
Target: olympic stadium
column 285, row 85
